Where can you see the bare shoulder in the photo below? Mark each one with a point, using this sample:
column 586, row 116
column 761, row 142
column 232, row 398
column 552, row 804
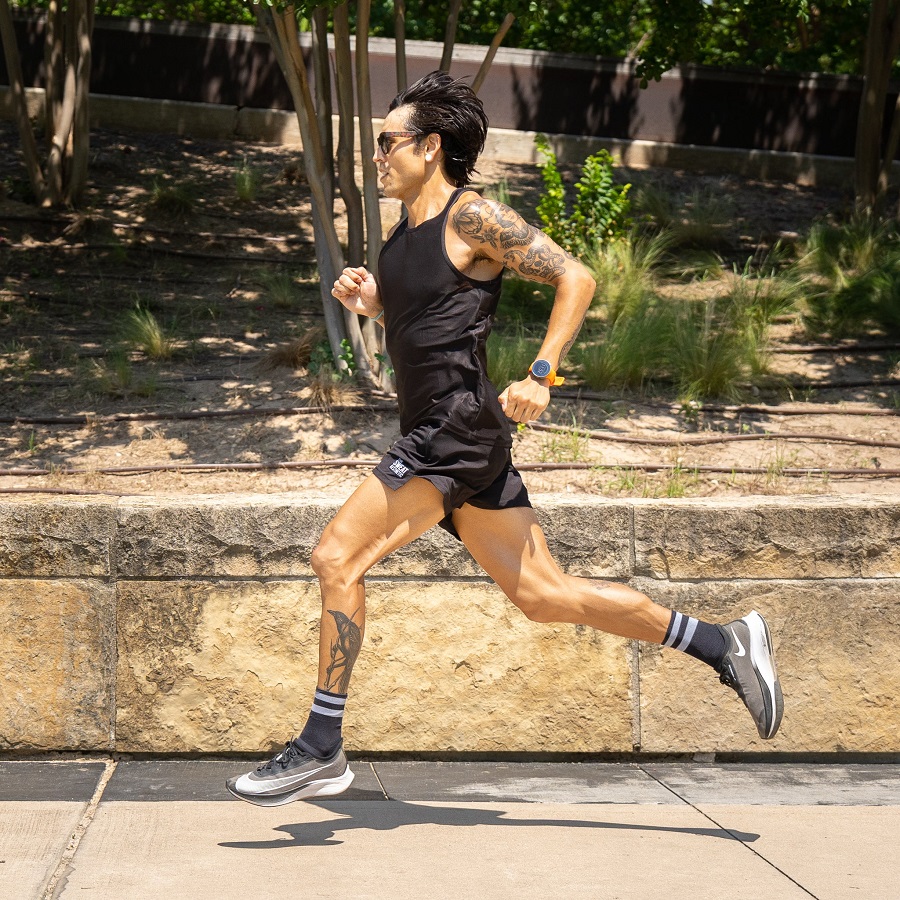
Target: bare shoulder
column 495, row 231
column 481, row 221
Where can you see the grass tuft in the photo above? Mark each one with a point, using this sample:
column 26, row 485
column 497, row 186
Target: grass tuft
column 142, row 330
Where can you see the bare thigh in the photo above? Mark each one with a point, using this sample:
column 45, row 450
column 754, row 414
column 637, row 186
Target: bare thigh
column 374, row 522
column 510, row 546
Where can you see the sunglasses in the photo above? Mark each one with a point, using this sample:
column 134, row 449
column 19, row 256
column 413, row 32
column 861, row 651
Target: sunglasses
column 385, row 142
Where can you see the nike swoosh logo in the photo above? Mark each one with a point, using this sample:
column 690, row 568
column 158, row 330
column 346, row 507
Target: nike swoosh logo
column 288, row 780
column 740, row 650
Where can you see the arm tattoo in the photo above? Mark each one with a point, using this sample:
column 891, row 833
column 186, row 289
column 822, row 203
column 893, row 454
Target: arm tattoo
column 493, row 224
column 542, row 263
column 568, row 345
column 344, row 650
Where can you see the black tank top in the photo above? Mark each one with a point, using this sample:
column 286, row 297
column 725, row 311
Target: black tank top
column 437, row 324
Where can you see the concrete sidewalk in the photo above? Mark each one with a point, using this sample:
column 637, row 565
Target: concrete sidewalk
column 167, row 830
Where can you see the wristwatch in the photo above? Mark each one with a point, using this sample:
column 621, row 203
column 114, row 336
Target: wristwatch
column 541, row 368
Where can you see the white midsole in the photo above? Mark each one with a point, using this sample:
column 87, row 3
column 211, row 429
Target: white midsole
column 761, row 655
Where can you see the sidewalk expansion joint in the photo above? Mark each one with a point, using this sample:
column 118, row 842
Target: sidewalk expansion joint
column 728, row 831
column 380, row 782
column 60, row 874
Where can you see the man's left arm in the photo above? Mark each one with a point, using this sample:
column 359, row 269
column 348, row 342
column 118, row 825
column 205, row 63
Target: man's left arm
column 499, row 233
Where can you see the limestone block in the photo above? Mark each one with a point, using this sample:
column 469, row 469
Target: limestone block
column 787, row 537
column 159, row 115
column 56, row 538
column 218, row 535
column 57, row 645
column 247, row 536
column 276, row 125
column 231, row 666
column 214, row 666
column 456, row 667
column 274, row 535
column 836, row 645
column 586, row 535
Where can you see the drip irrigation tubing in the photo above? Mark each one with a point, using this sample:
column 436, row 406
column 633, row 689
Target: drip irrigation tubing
column 167, row 232
column 790, row 472
column 761, row 408
column 834, row 348
column 699, row 440
column 92, row 419
column 263, row 412
column 159, row 248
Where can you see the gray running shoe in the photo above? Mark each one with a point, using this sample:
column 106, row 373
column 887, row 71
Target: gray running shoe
column 292, row 775
column 749, row 668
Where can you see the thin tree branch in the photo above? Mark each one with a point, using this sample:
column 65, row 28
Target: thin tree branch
column 450, row 35
column 20, row 104
column 400, row 43
column 492, row 52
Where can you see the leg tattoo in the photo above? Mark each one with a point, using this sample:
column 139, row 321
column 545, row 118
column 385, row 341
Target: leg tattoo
column 344, row 650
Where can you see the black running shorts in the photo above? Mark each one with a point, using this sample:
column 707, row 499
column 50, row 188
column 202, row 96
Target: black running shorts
column 463, row 471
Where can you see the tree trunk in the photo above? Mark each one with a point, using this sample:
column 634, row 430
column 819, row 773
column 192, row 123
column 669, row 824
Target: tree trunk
column 367, row 136
column 372, row 333
column 450, row 35
column 20, row 104
column 400, row 43
column 81, row 127
column 346, row 157
column 54, row 67
column 322, row 70
column 281, row 29
column 488, row 60
column 887, row 163
column 882, row 46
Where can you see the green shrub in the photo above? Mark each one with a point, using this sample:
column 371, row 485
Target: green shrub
column 853, row 277
column 141, row 329
column 625, row 272
column 628, row 352
column 600, row 209
column 509, row 354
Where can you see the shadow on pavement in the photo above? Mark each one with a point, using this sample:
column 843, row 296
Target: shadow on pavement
column 397, row 814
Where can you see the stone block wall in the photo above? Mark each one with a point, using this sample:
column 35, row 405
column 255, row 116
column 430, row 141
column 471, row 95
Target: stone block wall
column 190, row 625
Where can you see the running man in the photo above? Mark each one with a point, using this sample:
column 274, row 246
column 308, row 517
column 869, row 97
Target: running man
column 435, row 294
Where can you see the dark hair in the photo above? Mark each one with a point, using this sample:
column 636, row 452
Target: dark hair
column 440, row 104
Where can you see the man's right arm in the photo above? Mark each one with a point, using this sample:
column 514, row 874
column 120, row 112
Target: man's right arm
column 357, row 289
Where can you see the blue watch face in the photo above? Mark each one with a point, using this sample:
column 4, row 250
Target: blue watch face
column 540, row 368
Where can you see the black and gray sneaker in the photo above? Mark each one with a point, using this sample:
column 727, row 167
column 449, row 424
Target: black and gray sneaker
column 749, row 667
column 292, row 775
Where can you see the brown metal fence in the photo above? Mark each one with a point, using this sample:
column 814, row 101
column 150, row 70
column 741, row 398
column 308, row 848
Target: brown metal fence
column 526, row 90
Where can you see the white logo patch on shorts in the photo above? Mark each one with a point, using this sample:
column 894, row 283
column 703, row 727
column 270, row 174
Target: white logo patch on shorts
column 399, row 468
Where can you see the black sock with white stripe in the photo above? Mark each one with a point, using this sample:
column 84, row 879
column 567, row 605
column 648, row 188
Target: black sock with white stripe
column 321, row 736
column 698, row 639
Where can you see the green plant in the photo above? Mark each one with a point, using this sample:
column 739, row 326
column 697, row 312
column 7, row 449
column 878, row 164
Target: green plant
column 281, row 288
column 174, row 200
column 700, row 220
column 246, row 182
column 626, row 272
column 709, row 353
column 630, row 351
column 500, row 192
column 853, row 277
column 600, row 209
column 509, row 354
column 346, row 356
column 565, row 446
column 524, row 301
column 759, row 295
column 679, row 480
column 142, row 330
